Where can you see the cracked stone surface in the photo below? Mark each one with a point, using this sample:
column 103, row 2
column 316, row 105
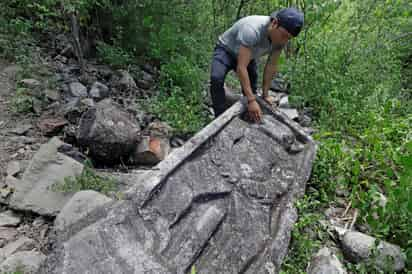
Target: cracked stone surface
column 223, row 202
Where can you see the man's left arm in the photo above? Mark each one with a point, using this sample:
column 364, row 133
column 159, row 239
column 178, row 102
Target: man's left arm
column 269, row 71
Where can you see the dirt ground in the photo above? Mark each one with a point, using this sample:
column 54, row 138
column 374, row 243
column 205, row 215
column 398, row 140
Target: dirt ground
column 14, row 146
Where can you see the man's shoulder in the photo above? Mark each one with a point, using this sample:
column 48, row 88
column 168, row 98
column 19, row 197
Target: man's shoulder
column 255, row 19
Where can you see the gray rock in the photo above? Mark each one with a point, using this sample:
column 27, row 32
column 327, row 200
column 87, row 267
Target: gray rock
column 176, row 142
column 30, row 83
column 50, row 126
column 151, row 150
column 27, row 262
column 8, row 234
column 159, row 129
column 99, row 91
column 146, row 80
column 126, row 81
column 8, row 218
column 284, row 102
column 279, row 84
column 77, row 89
column 304, row 120
column 290, row 112
column 13, row 168
column 52, row 95
column 79, row 206
column 325, row 262
column 47, row 168
column 22, row 244
column 109, row 133
column 12, row 181
column 359, row 247
column 88, row 102
column 223, row 202
column 21, row 129
column 37, row 105
column 73, row 110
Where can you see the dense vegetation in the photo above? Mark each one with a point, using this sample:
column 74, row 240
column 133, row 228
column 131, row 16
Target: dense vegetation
column 352, row 65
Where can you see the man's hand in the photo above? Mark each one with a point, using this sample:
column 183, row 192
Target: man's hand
column 254, row 110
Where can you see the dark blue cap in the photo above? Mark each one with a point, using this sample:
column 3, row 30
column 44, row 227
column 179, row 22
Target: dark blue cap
column 289, row 18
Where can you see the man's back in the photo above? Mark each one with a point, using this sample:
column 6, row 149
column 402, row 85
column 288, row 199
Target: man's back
column 250, row 31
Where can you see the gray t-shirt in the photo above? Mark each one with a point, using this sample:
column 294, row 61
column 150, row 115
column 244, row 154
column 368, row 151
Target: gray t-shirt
column 251, row 32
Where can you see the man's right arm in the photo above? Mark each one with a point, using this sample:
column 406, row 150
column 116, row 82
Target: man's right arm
column 244, row 57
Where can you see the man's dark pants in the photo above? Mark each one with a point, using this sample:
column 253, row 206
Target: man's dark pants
column 223, row 62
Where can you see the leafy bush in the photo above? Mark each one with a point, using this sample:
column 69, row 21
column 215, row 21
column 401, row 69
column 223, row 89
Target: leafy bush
column 22, row 101
column 353, row 81
column 180, row 102
column 87, row 180
column 114, row 55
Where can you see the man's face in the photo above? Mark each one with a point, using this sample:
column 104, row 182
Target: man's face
column 278, row 35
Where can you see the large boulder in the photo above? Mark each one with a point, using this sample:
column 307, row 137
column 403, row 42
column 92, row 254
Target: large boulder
column 359, row 247
column 77, row 89
column 99, row 91
column 325, row 262
column 35, row 191
column 223, row 202
column 79, row 206
column 27, row 262
column 108, row 133
column 21, row 244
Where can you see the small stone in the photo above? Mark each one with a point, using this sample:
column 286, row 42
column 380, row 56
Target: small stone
column 159, row 129
column 149, row 68
column 73, row 110
column 325, row 262
column 381, row 199
column 21, row 130
column 30, row 83
column 77, row 89
column 23, row 139
column 61, row 59
column 52, row 95
column 284, row 102
column 39, row 221
column 145, row 81
column 51, row 125
column 43, row 232
column 279, row 84
column 11, row 181
column 126, row 80
column 8, row 218
column 8, row 233
column 151, row 150
column 27, row 262
column 99, row 91
column 21, row 151
column 309, row 130
column 177, row 142
column 5, row 192
column 296, row 147
column 13, row 168
column 88, row 102
column 290, row 112
column 37, row 106
column 22, row 244
column 304, row 120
